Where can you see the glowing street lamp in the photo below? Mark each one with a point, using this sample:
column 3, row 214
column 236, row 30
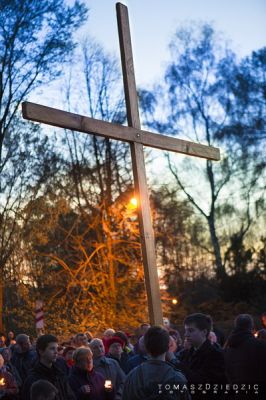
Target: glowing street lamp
column 134, row 202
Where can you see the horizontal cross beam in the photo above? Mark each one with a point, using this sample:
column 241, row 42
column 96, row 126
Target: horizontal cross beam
column 76, row 122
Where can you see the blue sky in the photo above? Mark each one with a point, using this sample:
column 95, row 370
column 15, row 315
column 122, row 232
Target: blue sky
column 153, row 23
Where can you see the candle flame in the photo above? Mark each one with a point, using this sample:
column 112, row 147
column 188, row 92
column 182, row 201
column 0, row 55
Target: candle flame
column 2, row 382
column 108, row 384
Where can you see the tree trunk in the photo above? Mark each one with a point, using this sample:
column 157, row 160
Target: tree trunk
column 220, row 269
column 1, row 301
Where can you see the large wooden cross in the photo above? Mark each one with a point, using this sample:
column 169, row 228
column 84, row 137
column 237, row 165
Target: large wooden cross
column 137, row 139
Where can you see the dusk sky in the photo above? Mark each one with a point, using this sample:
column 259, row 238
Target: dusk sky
column 153, row 23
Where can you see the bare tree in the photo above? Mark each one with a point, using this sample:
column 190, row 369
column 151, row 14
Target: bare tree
column 36, row 39
column 199, row 100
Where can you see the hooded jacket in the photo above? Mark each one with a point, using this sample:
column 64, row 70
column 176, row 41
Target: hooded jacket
column 111, row 370
column 245, row 358
column 148, row 380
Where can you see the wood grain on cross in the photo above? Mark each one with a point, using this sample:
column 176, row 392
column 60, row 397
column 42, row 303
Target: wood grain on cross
column 137, row 139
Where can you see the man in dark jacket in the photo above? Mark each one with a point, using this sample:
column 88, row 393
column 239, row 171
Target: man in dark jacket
column 201, row 363
column 24, row 356
column 155, row 379
column 245, row 356
column 45, row 368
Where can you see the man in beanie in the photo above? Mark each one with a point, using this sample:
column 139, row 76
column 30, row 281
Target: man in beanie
column 127, row 352
column 46, row 369
column 114, row 348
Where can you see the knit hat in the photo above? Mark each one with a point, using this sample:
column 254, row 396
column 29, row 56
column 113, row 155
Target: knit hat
column 114, row 339
column 67, row 349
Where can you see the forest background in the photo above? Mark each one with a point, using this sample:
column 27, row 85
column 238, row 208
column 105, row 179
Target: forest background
column 68, row 231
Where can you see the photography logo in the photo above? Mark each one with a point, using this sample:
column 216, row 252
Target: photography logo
column 239, row 390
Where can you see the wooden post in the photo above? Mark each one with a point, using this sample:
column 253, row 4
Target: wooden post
column 138, row 163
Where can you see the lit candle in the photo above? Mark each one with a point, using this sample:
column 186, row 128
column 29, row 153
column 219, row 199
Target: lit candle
column 108, row 385
column 2, row 382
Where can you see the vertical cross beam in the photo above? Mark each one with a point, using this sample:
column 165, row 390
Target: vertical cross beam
column 138, row 163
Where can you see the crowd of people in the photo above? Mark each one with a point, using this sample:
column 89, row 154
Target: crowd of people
column 154, row 363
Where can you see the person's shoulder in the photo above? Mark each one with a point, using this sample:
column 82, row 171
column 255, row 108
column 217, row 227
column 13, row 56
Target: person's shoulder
column 31, row 354
column 74, row 375
column 173, row 373
column 32, row 377
column 179, row 376
column 262, row 343
column 214, row 355
column 36, row 370
column 163, row 370
column 61, row 364
column 210, row 348
column 16, row 356
column 183, row 354
column 111, row 361
column 136, row 371
column 134, row 359
column 259, row 345
column 6, row 375
column 97, row 374
column 73, row 371
column 215, row 351
column 58, row 371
